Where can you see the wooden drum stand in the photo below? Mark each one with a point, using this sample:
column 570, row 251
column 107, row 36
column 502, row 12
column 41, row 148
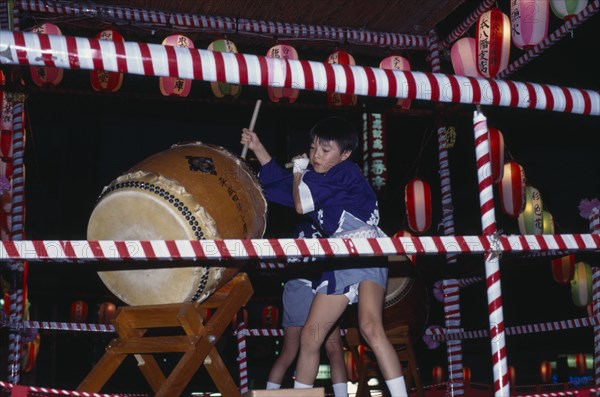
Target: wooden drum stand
column 198, row 343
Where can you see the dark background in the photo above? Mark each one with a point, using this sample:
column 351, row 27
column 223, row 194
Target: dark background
column 78, row 141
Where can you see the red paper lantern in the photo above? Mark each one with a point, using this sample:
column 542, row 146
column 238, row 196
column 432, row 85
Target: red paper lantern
column 512, row 376
column 529, row 22
column 581, row 363
column 220, row 89
column 467, row 375
column 496, row 140
column 417, row 196
column 464, row 57
column 396, row 62
column 46, row 75
column 106, row 312
column 334, row 98
column 351, row 367
column 79, row 311
column 100, row 79
column 563, row 269
column 270, row 316
column 512, row 189
column 280, row 73
column 406, row 233
column 438, row 374
column 493, row 42
column 29, row 353
column 546, row 371
column 176, row 86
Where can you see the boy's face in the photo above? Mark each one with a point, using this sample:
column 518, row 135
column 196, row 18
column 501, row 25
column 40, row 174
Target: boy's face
column 326, row 154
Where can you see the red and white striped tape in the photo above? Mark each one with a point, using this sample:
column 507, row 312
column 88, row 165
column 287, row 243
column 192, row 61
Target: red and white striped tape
column 279, row 249
column 439, row 334
column 225, row 24
column 242, row 359
column 68, row 52
column 454, row 350
column 51, row 391
column 462, row 28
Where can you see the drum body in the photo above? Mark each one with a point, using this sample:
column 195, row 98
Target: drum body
column 191, row 191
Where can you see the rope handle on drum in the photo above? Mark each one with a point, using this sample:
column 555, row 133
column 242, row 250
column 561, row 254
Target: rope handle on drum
column 252, row 123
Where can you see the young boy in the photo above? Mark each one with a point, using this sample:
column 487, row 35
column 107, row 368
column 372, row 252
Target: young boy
column 329, row 188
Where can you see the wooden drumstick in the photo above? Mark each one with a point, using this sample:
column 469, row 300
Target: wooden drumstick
column 251, row 127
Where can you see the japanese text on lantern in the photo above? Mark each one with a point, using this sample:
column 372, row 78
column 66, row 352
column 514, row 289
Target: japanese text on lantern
column 483, row 45
column 374, row 166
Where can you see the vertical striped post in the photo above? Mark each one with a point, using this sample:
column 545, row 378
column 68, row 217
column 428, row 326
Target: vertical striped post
column 455, row 385
column 492, row 268
column 242, row 361
column 595, row 229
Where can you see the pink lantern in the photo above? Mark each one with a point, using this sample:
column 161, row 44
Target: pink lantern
column 529, row 22
column 417, row 197
column 496, row 140
column 282, row 51
column 546, row 371
column 563, row 268
column 106, row 312
column 396, row 62
column 512, row 189
column 464, row 57
column 175, row 86
column 46, row 75
column 438, row 374
column 493, row 42
column 406, row 233
column 79, row 311
column 219, row 88
column 334, row 98
column 107, row 81
column 581, row 363
column 566, row 9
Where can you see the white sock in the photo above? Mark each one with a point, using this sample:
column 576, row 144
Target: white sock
column 340, row 389
column 298, row 385
column 397, row 387
column 273, row 386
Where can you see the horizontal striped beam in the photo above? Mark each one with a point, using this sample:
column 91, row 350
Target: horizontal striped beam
column 68, row 52
column 82, row 250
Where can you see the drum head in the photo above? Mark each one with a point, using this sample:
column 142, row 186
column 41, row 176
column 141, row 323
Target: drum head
column 148, row 203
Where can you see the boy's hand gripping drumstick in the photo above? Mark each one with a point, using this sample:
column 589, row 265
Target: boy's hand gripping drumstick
column 251, row 127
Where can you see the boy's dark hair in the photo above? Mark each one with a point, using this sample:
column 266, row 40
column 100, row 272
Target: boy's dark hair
column 336, row 129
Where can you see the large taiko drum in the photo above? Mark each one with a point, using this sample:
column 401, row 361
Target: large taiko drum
column 406, row 299
column 191, row 191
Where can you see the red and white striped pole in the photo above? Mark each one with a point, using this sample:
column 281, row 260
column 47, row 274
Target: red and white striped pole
column 242, row 360
column 595, row 229
column 455, row 385
column 492, row 267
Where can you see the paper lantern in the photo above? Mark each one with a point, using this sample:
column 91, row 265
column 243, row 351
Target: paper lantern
column 79, row 311
column 545, row 371
column 396, row 62
column 512, row 189
column 350, row 363
column 581, row 363
column 547, row 223
column 219, row 89
column 581, row 285
column 280, row 73
column 46, row 75
column 493, row 42
column 417, row 197
column 566, row 9
column 531, row 220
column 29, row 353
column 239, row 318
column 176, row 86
column 467, row 375
column 563, row 269
column 100, row 79
column 438, row 375
column 512, row 376
column 464, row 57
column 406, row 233
column 270, row 316
column 529, row 22
column 106, row 312
column 496, row 140
column 334, row 98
